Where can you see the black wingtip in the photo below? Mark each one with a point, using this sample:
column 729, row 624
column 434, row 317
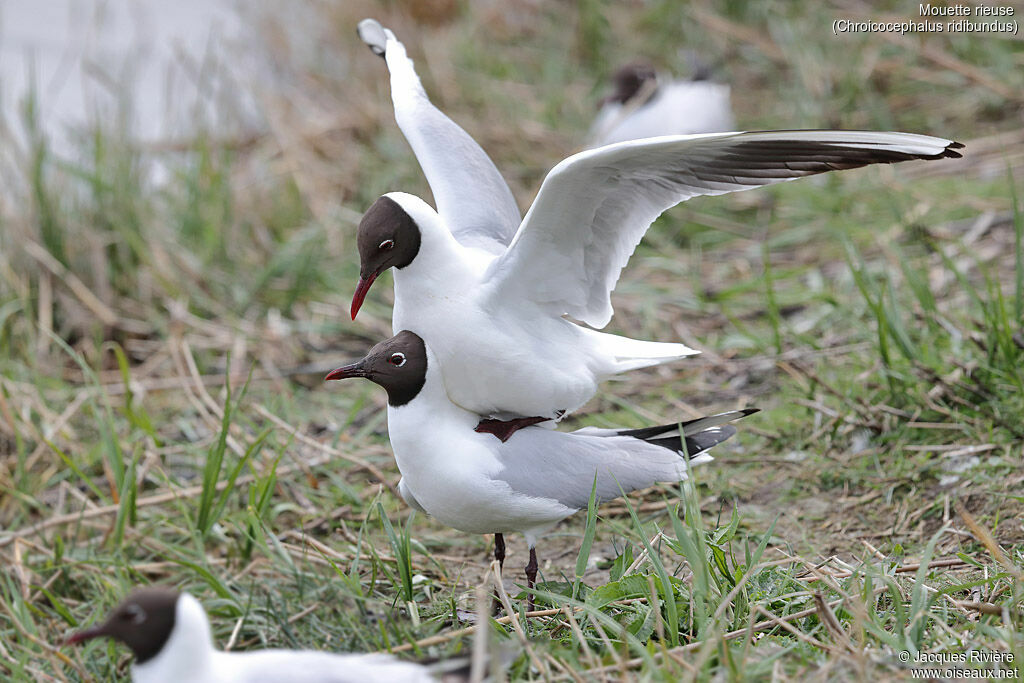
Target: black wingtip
column 750, row 411
column 949, row 152
column 700, row 442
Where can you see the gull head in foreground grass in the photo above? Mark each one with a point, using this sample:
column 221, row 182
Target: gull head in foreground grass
column 169, row 634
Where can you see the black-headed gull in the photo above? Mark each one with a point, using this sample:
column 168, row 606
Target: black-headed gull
column 169, row 634
column 644, row 105
column 489, row 295
column 477, row 484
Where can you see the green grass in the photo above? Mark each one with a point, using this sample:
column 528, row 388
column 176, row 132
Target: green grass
column 163, row 416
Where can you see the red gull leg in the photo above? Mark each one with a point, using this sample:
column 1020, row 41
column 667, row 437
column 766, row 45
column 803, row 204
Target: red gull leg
column 499, row 555
column 499, row 550
column 531, row 578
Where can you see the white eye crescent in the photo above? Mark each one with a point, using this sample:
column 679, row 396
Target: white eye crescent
column 386, row 244
column 397, row 359
column 134, row 613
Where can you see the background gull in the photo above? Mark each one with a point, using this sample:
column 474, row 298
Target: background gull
column 644, row 104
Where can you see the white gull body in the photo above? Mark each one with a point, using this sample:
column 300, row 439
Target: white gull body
column 491, row 293
column 475, row 483
column 189, row 655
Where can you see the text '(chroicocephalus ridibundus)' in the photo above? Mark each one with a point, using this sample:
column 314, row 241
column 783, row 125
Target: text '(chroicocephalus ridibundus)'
column 489, row 296
column 169, row 634
column 477, row 484
column 643, row 105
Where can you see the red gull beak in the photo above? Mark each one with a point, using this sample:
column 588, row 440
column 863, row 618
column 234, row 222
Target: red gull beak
column 361, row 289
column 345, row 372
column 86, row 634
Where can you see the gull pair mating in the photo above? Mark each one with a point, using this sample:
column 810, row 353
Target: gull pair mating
column 482, row 340
column 169, row 634
column 489, row 293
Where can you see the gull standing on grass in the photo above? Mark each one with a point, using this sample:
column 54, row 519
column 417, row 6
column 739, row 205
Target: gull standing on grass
column 644, row 105
column 477, row 484
column 169, row 634
column 489, row 294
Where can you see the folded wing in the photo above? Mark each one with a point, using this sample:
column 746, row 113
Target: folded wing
column 594, row 207
column 472, row 198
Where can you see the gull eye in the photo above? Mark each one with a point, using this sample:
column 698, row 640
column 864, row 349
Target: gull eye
column 133, row 614
column 397, row 359
column 386, row 245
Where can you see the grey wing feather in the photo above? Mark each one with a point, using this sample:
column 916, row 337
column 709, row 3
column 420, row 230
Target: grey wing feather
column 562, row 467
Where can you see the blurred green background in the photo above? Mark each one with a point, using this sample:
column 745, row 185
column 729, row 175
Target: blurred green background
column 874, row 315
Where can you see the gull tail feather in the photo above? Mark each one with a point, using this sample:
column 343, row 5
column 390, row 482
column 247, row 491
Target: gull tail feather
column 621, row 354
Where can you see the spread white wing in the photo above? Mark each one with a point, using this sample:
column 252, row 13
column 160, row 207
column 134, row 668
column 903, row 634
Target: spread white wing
column 472, row 198
column 594, row 207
